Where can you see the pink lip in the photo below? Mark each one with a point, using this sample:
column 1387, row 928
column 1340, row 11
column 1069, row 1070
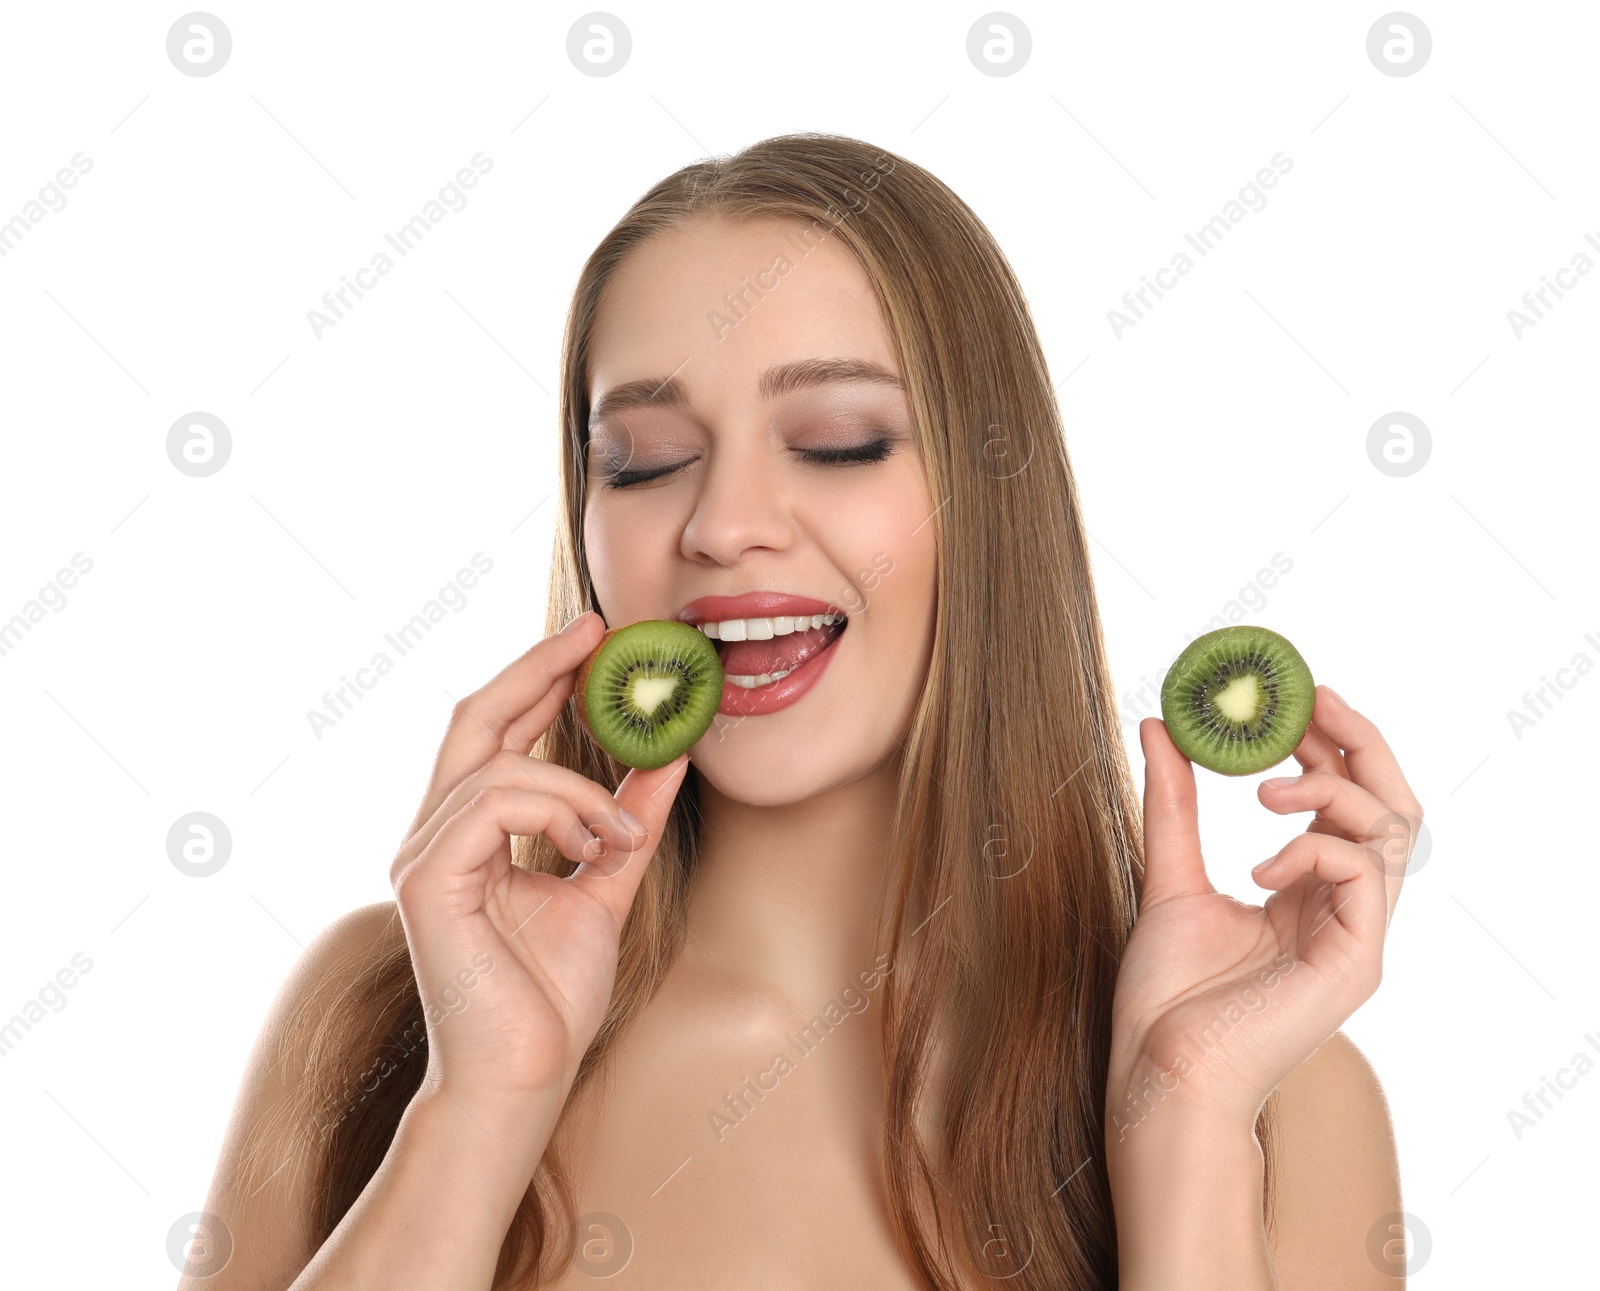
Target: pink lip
column 738, row 702
column 752, row 605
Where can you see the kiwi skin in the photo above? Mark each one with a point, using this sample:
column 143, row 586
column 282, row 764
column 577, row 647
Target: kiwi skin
column 580, row 694
column 1295, row 698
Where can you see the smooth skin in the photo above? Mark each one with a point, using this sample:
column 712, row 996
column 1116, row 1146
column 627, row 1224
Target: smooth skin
column 517, row 968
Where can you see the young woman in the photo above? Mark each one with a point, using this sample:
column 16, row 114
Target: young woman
column 887, row 983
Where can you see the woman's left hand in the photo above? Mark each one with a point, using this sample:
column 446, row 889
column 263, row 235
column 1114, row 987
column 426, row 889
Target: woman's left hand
column 1217, row 1001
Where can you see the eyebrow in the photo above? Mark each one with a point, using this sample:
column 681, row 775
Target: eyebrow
column 669, row 392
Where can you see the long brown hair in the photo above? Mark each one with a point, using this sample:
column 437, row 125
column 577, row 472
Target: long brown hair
column 1017, row 846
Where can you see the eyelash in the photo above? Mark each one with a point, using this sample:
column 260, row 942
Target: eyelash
column 873, row 451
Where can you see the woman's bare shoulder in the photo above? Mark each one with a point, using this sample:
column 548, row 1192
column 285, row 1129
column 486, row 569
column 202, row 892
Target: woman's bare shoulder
column 366, row 924
column 260, row 1190
column 1338, row 1175
column 354, row 935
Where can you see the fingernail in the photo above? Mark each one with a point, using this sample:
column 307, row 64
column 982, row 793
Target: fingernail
column 638, row 827
column 571, row 623
column 594, row 849
column 1257, row 869
column 1281, row 782
column 1337, row 697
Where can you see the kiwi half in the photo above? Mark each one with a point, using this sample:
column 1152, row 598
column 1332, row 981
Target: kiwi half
column 1238, row 700
column 649, row 690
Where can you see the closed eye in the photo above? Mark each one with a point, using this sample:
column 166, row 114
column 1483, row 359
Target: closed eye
column 627, row 479
column 873, row 451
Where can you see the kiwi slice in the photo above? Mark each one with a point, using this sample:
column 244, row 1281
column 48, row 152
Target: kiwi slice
column 649, row 690
column 1237, row 700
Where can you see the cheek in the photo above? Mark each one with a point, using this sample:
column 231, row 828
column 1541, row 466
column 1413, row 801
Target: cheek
column 889, row 556
column 596, row 552
column 626, row 546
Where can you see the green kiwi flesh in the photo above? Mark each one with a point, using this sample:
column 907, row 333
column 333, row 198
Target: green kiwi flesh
column 649, row 690
column 1238, row 700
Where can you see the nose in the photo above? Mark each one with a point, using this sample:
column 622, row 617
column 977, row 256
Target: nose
column 741, row 505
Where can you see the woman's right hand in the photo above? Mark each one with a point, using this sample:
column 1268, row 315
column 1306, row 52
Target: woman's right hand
column 516, row 967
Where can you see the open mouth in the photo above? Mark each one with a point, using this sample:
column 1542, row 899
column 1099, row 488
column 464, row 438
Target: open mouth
column 762, row 651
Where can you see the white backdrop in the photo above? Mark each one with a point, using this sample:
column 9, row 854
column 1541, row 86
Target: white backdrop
column 177, row 628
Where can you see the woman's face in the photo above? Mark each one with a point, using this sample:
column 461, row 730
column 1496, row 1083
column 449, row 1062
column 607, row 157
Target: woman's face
column 741, row 500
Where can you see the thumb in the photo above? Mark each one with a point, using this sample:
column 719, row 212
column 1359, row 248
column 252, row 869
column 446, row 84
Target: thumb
column 647, row 796
column 1172, row 862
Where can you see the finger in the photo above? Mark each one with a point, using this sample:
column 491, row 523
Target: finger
column 1172, row 862
column 614, row 878
column 1350, row 809
column 480, row 830
column 647, row 796
column 594, row 805
column 1371, row 762
column 541, row 678
column 1352, row 928
column 1316, row 752
column 1390, row 853
column 524, row 733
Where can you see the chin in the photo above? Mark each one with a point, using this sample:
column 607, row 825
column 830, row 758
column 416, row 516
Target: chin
column 777, row 769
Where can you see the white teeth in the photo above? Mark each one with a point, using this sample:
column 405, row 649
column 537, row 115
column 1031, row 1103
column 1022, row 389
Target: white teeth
column 766, row 629
column 765, row 679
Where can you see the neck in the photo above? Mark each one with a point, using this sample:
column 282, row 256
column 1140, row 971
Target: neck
column 786, row 898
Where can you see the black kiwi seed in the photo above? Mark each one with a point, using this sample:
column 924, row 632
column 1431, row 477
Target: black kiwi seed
column 649, row 690
column 1238, row 700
